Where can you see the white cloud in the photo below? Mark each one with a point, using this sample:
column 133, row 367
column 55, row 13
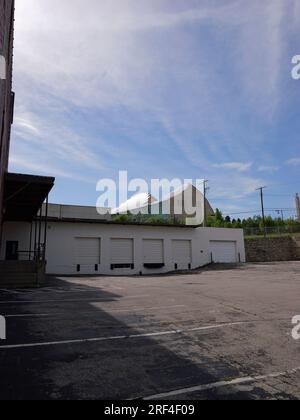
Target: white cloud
column 24, row 127
column 117, row 62
column 156, row 59
column 293, row 162
column 54, row 139
column 234, row 187
column 42, row 167
column 235, row 166
column 268, row 168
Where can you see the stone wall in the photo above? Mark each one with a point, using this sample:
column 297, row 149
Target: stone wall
column 285, row 248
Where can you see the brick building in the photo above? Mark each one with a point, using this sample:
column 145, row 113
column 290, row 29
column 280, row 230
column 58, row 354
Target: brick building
column 21, row 196
column 6, row 94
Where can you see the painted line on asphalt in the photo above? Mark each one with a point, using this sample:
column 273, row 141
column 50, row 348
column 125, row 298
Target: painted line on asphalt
column 93, row 312
column 6, row 302
column 122, row 337
column 56, row 290
column 221, row 384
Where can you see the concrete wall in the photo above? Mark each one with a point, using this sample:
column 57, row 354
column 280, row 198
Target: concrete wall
column 61, row 255
column 62, row 211
column 286, row 248
column 6, row 50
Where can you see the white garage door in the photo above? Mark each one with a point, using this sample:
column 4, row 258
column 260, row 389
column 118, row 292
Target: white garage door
column 182, row 252
column 153, row 251
column 121, row 251
column 87, row 251
column 223, row 251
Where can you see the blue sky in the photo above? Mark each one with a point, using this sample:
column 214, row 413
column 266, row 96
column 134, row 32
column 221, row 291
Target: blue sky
column 161, row 88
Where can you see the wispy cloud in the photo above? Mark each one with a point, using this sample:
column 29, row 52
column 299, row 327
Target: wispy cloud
column 228, row 187
column 160, row 87
column 30, row 164
column 235, row 166
column 24, row 127
column 293, row 162
column 55, row 139
column 268, row 168
column 100, row 70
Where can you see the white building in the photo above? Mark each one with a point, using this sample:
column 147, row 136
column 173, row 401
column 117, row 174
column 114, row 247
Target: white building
column 80, row 241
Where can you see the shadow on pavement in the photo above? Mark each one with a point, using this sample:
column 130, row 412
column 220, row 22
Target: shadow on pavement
column 117, row 369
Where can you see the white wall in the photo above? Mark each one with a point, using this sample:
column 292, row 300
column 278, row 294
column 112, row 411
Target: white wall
column 222, row 234
column 61, row 253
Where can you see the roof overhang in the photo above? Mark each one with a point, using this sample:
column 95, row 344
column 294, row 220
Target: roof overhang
column 24, row 196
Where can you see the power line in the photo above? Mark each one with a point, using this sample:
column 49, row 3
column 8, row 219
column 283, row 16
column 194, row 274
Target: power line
column 257, row 211
column 280, row 195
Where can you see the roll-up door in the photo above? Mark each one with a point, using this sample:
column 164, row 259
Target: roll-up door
column 182, row 253
column 87, row 254
column 153, row 250
column 121, row 252
column 223, row 251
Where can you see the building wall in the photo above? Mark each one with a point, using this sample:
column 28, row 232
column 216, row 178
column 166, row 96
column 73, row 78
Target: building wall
column 61, row 253
column 16, row 231
column 6, row 100
column 62, row 211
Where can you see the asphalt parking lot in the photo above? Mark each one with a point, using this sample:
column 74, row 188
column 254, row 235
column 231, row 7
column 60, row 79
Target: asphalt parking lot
column 221, row 333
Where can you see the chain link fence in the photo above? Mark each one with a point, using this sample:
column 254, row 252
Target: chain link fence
column 271, row 231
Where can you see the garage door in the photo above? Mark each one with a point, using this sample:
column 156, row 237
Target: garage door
column 153, row 251
column 87, row 253
column 121, row 251
column 223, row 251
column 182, row 253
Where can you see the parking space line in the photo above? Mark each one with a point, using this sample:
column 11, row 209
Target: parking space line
column 95, row 311
column 121, row 337
column 7, row 302
column 221, row 384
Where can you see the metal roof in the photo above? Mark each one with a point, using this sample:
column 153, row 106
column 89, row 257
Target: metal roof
column 24, row 196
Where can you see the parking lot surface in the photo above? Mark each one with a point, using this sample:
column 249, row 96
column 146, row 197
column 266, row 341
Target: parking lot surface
column 217, row 333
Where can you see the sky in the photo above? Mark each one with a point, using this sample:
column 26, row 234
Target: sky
column 187, row 89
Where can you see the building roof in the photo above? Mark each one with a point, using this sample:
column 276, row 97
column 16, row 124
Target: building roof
column 136, row 202
column 24, row 196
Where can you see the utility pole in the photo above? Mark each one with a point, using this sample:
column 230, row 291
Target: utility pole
column 280, row 212
column 261, row 189
column 298, row 207
column 205, row 189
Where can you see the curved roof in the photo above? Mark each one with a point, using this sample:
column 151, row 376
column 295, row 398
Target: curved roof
column 136, row 202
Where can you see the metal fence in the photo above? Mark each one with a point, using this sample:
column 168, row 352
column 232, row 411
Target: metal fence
column 271, row 231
